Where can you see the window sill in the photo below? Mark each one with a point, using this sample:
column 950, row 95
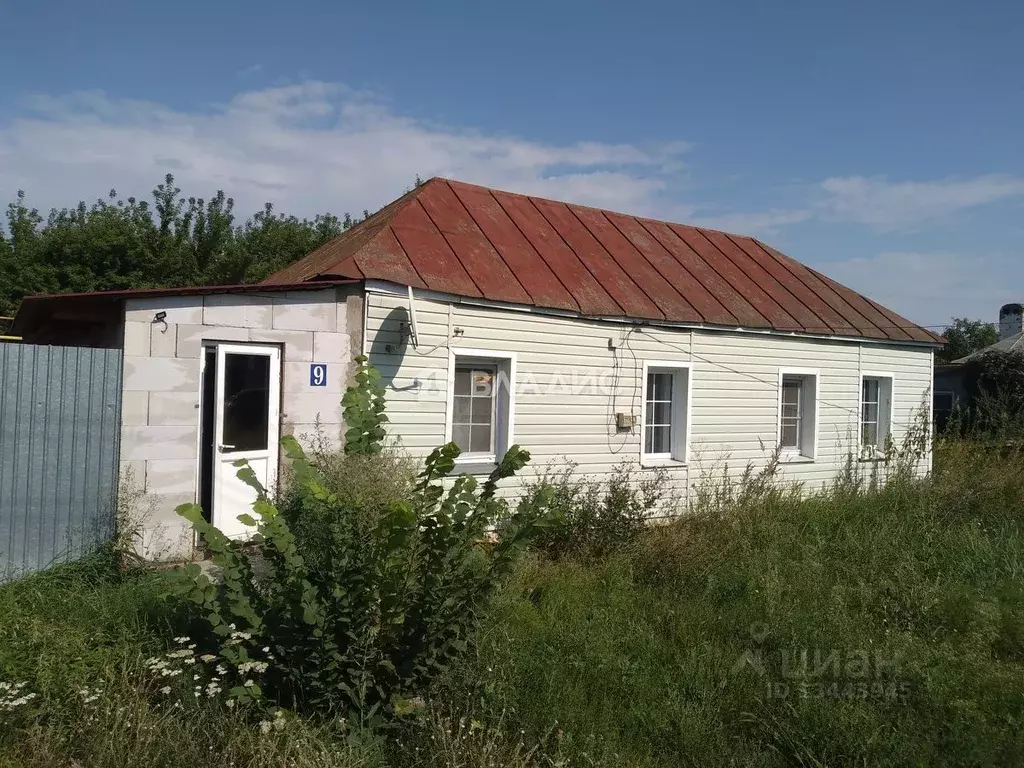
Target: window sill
column 654, row 463
column 481, row 466
column 795, row 458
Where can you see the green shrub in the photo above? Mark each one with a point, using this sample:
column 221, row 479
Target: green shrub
column 591, row 517
column 380, row 604
column 366, row 485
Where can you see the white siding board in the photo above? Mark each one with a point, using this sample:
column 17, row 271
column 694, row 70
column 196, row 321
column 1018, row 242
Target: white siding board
column 735, row 386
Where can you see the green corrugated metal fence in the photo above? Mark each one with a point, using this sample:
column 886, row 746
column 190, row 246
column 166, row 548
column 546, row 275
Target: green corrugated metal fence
column 60, row 410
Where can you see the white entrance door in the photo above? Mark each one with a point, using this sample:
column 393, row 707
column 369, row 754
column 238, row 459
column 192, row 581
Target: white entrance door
column 248, row 403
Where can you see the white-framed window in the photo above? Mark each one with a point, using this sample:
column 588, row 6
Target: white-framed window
column 875, row 411
column 798, row 413
column 665, row 418
column 481, row 404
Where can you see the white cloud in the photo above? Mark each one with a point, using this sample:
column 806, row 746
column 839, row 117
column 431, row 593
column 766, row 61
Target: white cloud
column 893, row 205
column 929, row 288
column 883, row 205
column 759, row 223
column 309, row 148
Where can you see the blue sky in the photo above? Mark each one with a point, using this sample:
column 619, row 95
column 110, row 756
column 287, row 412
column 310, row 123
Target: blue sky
column 879, row 142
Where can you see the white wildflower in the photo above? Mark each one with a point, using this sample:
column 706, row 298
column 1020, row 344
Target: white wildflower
column 165, row 690
column 207, row 658
column 265, row 726
column 259, row 667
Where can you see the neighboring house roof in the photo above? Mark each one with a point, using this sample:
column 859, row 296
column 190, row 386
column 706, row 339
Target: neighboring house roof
column 1013, row 343
column 462, row 239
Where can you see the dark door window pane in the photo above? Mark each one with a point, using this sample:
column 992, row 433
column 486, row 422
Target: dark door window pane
column 246, row 402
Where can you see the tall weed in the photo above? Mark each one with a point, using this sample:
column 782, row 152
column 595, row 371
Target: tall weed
column 591, row 517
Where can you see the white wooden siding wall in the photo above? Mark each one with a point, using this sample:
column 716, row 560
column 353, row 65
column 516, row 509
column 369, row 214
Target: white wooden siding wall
column 735, row 386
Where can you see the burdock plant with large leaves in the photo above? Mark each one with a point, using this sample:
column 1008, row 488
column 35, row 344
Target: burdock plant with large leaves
column 389, row 599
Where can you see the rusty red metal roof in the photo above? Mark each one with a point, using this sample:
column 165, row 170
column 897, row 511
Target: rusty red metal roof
column 462, row 239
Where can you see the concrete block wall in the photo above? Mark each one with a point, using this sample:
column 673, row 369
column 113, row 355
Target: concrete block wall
column 160, row 413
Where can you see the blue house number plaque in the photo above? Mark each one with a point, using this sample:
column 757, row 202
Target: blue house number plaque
column 318, row 375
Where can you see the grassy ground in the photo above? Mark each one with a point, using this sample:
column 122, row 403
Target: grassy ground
column 871, row 629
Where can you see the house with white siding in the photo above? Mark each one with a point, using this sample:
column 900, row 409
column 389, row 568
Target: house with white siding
column 498, row 319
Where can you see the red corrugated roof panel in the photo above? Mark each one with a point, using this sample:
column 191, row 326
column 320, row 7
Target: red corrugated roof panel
column 632, row 301
column 804, row 317
column 534, row 274
column 861, row 325
column 431, row 256
column 472, row 248
column 655, row 287
column 588, row 293
column 466, row 240
column 830, row 320
column 730, row 306
column 384, row 255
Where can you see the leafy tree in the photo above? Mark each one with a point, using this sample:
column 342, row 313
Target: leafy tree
column 966, row 336
column 129, row 243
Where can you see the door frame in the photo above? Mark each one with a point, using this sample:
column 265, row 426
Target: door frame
column 222, row 348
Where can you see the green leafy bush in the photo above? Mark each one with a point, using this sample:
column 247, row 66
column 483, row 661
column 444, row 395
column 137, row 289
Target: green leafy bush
column 994, row 382
column 366, row 485
column 591, row 517
column 374, row 608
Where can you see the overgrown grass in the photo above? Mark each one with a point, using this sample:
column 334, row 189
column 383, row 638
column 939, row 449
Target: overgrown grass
column 78, row 637
column 683, row 649
column 907, row 604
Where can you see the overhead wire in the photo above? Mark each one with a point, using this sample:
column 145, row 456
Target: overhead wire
column 752, row 377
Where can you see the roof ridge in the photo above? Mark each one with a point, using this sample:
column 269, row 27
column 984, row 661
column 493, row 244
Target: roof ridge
column 581, row 205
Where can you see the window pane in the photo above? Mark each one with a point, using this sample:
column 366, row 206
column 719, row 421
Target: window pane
column 462, row 409
column 870, row 390
column 869, row 412
column 460, row 436
column 660, row 413
column 658, row 440
column 663, row 386
column 480, row 439
column 246, row 402
column 482, row 410
column 790, row 410
column 790, row 435
column 790, row 391
column 462, row 381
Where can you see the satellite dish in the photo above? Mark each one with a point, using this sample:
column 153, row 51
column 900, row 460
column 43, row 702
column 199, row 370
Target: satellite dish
column 412, row 320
